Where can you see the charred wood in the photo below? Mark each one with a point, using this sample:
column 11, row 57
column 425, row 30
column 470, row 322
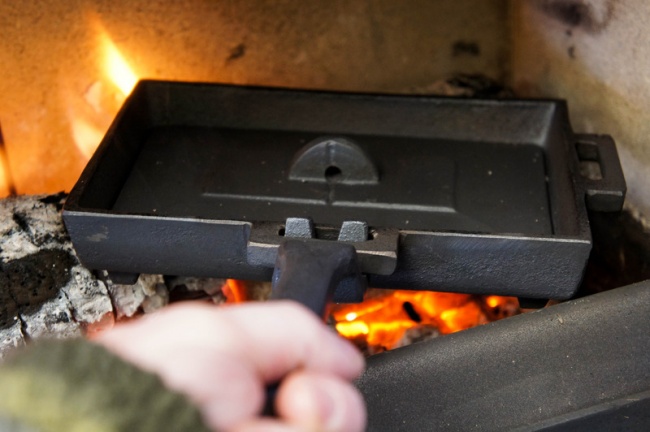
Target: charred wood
column 44, row 290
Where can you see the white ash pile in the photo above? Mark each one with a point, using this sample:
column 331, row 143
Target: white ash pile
column 46, row 292
column 148, row 294
column 153, row 292
column 195, row 288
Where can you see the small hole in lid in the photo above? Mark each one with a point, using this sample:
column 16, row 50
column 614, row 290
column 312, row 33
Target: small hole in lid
column 332, row 173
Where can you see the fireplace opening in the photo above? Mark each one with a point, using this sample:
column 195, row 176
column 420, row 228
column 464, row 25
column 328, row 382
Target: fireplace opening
column 71, row 73
column 389, row 319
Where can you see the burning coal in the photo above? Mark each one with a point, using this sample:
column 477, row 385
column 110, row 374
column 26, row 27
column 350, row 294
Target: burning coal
column 388, row 319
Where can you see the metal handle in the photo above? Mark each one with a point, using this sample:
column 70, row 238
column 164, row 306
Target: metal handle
column 608, row 192
column 309, row 271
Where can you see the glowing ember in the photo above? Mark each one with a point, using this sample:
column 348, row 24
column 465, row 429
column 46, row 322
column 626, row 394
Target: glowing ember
column 493, row 301
column 382, row 320
column 388, row 319
column 235, row 291
column 106, row 322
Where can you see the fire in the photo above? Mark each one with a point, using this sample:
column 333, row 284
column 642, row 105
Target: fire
column 5, row 182
column 382, row 320
column 235, row 291
column 493, row 301
column 117, row 69
column 86, row 136
column 90, row 119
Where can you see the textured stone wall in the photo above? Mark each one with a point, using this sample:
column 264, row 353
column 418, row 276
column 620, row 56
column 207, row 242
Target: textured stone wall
column 595, row 54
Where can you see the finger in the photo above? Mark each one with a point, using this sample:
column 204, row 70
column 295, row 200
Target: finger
column 306, row 342
column 321, row 402
column 277, row 337
column 226, row 390
column 218, row 356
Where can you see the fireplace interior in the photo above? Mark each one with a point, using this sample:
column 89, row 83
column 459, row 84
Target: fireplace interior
column 72, row 71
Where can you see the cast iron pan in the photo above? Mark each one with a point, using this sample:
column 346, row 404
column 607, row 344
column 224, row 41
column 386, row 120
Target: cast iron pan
column 327, row 192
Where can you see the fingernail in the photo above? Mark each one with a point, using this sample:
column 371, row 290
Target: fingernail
column 318, row 404
column 322, row 402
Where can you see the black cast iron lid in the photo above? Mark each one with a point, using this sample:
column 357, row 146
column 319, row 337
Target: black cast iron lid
column 456, row 195
column 388, row 182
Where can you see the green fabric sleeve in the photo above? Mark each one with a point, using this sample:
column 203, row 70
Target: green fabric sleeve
column 75, row 386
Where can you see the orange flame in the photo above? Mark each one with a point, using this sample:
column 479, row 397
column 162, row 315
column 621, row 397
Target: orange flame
column 382, row 321
column 116, row 67
column 86, row 136
column 235, row 291
column 494, row 301
column 102, row 99
column 5, row 185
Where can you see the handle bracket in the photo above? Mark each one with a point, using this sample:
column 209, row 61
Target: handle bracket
column 606, row 191
column 310, row 271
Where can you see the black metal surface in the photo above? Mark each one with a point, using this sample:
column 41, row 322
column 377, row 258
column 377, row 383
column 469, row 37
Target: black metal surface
column 580, row 365
column 309, row 271
column 261, row 175
column 313, row 272
column 621, row 252
column 333, row 160
column 459, row 195
column 608, row 191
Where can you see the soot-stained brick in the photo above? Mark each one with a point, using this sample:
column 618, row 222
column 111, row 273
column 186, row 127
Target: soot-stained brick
column 479, row 86
column 8, row 308
column 571, row 51
column 469, row 48
column 237, row 52
column 30, row 281
column 55, row 199
column 21, row 221
column 580, row 14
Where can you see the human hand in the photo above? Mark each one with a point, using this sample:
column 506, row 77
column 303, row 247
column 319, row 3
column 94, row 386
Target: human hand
column 223, row 357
